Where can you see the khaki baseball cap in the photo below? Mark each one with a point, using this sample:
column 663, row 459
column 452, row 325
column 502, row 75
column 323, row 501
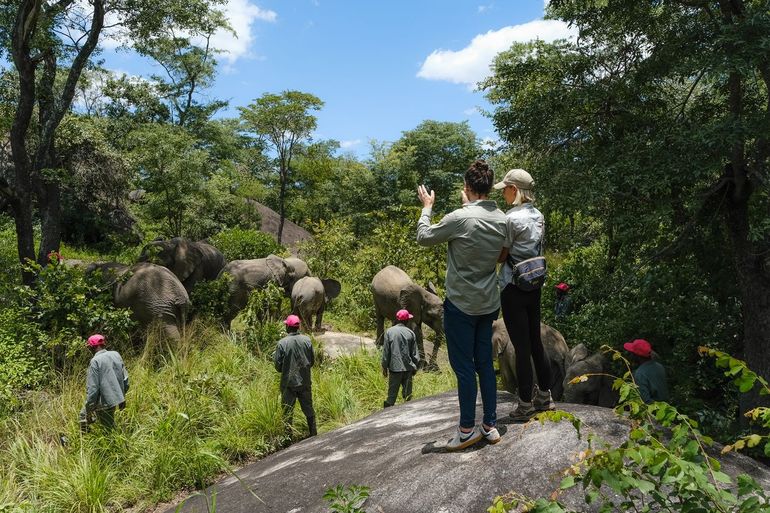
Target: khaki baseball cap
column 517, row 177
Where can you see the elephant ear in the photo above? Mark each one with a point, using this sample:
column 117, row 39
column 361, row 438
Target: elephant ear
column 280, row 270
column 410, row 298
column 332, row 288
column 187, row 258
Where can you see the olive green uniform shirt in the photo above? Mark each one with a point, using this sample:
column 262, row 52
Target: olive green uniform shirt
column 650, row 377
column 293, row 358
column 399, row 349
column 476, row 234
column 107, row 381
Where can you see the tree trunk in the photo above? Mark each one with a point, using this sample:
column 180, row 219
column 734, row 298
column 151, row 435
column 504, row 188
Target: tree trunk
column 755, row 301
column 281, row 205
column 50, row 220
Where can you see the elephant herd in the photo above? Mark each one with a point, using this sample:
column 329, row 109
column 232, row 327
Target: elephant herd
column 157, row 288
column 393, row 289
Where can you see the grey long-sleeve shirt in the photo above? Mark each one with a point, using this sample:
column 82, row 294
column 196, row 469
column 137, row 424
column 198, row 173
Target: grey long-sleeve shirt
column 399, row 349
column 107, row 381
column 476, row 234
column 293, row 358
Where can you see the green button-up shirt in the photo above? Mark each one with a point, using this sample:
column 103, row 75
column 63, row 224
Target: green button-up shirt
column 293, row 358
column 650, row 377
column 399, row 349
column 476, row 234
column 107, row 381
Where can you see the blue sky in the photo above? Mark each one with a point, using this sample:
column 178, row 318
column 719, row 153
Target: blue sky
column 381, row 67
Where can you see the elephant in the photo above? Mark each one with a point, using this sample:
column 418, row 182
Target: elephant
column 248, row 275
column 191, row 262
column 150, row 291
column 309, row 296
column 556, row 350
column 393, row 290
column 300, row 267
column 596, row 390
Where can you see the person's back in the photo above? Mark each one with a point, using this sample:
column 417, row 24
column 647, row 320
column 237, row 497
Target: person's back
column 651, row 379
column 107, row 380
column 400, row 349
column 293, row 359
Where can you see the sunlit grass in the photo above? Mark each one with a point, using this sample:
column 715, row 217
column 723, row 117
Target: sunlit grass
column 194, row 410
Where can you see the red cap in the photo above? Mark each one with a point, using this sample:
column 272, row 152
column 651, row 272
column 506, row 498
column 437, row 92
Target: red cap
column 563, row 287
column 639, row 347
column 403, row 315
column 95, row 340
column 292, row 321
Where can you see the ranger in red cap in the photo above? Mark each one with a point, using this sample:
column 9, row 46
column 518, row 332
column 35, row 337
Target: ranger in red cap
column 106, row 385
column 563, row 303
column 399, row 358
column 649, row 375
column 293, row 358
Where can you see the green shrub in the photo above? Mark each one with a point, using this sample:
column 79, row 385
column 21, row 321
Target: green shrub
column 210, row 299
column 665, row 465
column 23, row 363
column 262, row 319
column 243, row 244
column 68, row 306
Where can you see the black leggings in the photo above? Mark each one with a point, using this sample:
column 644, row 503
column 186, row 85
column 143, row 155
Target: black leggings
column 521, row 313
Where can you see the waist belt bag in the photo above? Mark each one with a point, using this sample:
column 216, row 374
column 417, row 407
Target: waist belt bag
column 530, row 274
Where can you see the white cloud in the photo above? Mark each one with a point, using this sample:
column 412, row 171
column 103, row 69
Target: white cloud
column 484, row 8
column 241, row 15
column 345, row 145
column 471, row 64
column 471, row 112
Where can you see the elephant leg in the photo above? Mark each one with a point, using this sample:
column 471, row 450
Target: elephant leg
column 380, row 329
column 319, row 318
column 434, row 354
column 420, row 344
column 171, row 330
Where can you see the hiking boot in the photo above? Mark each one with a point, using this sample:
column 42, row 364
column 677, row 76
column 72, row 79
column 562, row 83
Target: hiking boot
column 492, row 436
column 522, row 411
column 462, row 440
column 542, row 400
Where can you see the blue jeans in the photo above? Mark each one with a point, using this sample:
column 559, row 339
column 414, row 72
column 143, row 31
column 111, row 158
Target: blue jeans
column 469, row 344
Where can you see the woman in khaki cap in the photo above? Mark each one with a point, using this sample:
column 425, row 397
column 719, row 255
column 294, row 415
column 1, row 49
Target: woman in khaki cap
column 521, row 309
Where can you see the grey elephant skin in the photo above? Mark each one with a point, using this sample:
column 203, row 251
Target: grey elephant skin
column 309, row 297
column 247, row 275
column 150, row 291
column 393, row 290
column 595, row 390
column 190, row 261
column 556, row 351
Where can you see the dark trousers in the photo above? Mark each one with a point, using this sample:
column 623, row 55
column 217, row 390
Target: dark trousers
column 521, row 313
column 289, row 396
column 469, row 344
column 104, row 416
column 396, row 380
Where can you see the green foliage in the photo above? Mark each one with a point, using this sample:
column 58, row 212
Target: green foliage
column 664, row 465
column 68, row 306
column 262, row 317
column 245, row 244
column 347, row 499
column 206, row 404
column 210, row 299
column 23, row 363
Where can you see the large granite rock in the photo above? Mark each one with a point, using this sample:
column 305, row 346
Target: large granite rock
column 336, row 343
column 392, row 452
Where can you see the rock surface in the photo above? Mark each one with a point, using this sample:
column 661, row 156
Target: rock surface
column 392, row 452
column 336, row 343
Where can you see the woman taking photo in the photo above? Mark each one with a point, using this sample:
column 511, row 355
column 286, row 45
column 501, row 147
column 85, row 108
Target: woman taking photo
column 521, row 309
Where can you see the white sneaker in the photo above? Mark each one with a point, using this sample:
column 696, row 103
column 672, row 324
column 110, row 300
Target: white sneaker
column 462, row 440
column 492, row 436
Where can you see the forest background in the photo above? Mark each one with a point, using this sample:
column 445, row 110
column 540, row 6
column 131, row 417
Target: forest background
column 647, row 136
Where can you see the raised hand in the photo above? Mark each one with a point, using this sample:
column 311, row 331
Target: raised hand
column 427, row 199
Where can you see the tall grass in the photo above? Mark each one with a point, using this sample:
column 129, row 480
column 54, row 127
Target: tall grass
column 193, row 411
